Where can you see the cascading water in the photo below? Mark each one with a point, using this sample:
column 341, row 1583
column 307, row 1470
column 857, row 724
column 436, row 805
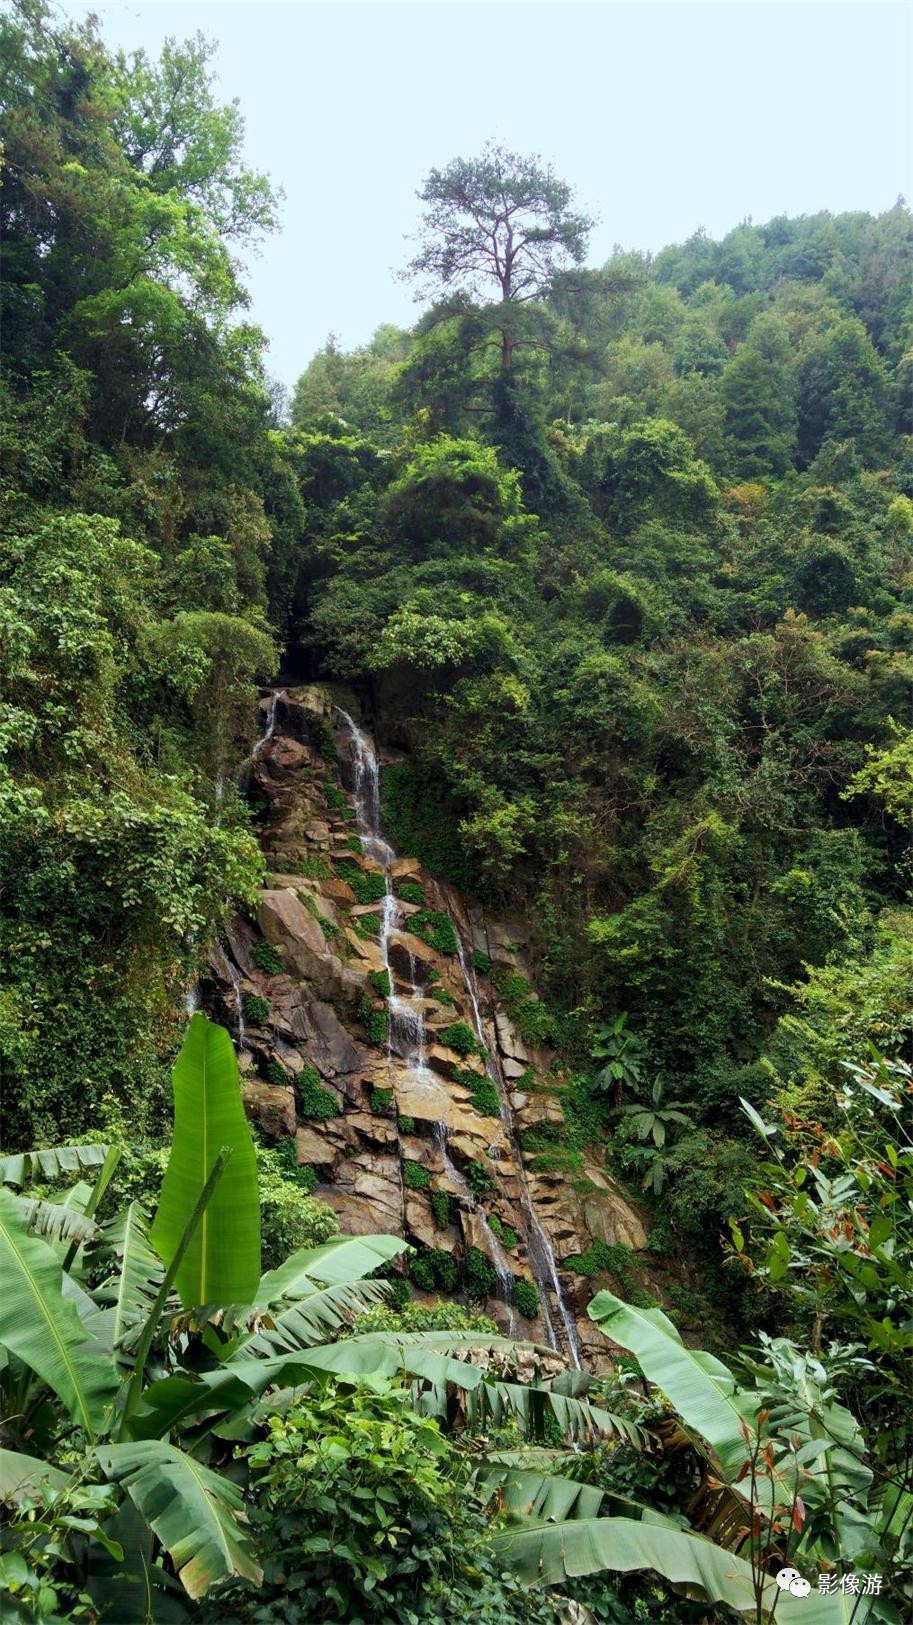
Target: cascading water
column 275, row 695
column 406, row 1026
column 407, row 1039
column 539, row 1248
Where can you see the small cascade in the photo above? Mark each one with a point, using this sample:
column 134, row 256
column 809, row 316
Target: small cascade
column 275, row 695
column 192, row 999
column 496, row 1253
column 539, row 1248
column 232, row 975
column 367, row 796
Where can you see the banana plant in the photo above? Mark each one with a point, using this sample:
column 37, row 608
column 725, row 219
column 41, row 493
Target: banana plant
column 184, row 1343
column 749, row 1515
column 91, row 1352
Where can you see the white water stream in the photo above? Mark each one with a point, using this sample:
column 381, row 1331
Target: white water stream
column 539, row 1248
column 407, row 1039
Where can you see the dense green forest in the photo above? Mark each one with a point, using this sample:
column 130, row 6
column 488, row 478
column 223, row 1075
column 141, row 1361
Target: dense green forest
column 621, row 559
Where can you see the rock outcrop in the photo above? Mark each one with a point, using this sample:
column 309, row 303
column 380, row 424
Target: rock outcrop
column 375, row 1034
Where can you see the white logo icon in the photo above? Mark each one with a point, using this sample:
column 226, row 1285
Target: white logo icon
column 792, row 1581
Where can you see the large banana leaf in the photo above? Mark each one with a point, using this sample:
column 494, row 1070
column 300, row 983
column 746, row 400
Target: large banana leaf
column 701, row 1389
column 539, row 1497
column 27, row 1475
column 132, row 1292
column 137, row 1588
column 43, row 1328
column 222, row 1261
column 311, row 1318
column 51, row 1163
column 429, row 1358
column 196, row 1514
column 56, row 1219
column 549, row 1553
column 97, row 1320
column 335, row 1263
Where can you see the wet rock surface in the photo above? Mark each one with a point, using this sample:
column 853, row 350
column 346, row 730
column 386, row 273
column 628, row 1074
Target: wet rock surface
column 352, row 1058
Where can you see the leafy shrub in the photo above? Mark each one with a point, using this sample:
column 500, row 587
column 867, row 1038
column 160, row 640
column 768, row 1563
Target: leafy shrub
column 612, row 1259
column 312, row 868
column 437, row 929
column 415, row 1177
column 336, row 798
column 478, row 1179
column 256, row 1009
column 532, row 1019
column 505, row 1233
column 433, row 1268
column 275, row 1073
column 380, row 981
column 284, row 1155
column 366, row 926
column 480, row 962
column 541, row 1138
column 409, row 891
column 480, row 1274
column 289, row 1217
column 357, row 1498
column 314, row 1101
column 527, row 1298
column 420, row 817
column 327, row 744
column 406, row 1125
column 485, row 1098
column 440, row 1208
column 380, row 1100
column 443, row 998
column 367, row 886
column 353, row 842
column 373, row 1020
column 459, row 1036
column 563, row 1161
column 268, row 959
column 422, row 1317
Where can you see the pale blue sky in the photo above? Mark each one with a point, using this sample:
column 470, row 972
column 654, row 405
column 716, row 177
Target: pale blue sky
column 664, row 117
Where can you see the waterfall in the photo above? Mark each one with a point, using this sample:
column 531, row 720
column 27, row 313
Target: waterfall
column 275, row 695
column 406, row 1026
column 539, row 1248
column 407, row 1039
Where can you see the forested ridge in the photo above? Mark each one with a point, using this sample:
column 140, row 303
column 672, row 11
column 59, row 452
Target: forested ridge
column 618, row 562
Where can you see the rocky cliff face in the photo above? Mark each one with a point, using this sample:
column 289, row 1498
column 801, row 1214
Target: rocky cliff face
column 369, row 1025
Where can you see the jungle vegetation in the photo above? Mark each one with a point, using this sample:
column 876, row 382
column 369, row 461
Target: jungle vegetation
column 622, row 556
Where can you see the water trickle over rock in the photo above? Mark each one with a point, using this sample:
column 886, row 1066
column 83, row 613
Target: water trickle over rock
column 390, row 1059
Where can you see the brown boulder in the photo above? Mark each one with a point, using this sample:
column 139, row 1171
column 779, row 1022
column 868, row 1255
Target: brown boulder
column 405, row 866
column 271, row 1105
column 313, row 1147
column 509, row 1040
column 447, row 1061
column 410, row 958
column 329, row 1046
